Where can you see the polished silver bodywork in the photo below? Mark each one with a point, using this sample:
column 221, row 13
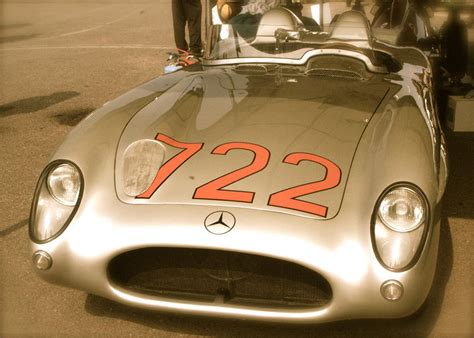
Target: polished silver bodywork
column 379, row 130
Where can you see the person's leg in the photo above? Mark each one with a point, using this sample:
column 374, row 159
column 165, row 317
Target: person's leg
column 179, row 23
column 193, row 11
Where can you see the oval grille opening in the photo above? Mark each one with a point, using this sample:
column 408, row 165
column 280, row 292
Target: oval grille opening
column 214, row 276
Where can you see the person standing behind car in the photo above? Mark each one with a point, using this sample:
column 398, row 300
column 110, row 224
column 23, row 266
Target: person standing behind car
column 187, row 11
column 246, row 17
column 454, row 46
column 258, row 7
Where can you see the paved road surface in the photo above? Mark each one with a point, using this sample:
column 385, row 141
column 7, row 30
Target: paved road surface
column 62, row 59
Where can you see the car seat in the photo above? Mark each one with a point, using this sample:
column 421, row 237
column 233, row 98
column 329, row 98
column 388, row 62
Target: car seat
column 272, row 20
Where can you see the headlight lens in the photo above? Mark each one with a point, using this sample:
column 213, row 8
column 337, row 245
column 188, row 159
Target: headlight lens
column 402, row 210
column 56, row 199
column 141, row 161
column 400, row 225
column 64, row 184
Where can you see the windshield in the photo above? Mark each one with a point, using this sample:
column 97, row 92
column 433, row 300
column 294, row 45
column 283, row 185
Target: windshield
column 284, row 29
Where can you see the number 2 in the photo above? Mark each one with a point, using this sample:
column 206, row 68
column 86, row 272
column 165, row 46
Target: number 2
column 213, row 189
column 287, row 198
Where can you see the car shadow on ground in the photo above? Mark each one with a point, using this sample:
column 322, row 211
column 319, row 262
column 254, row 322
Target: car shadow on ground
column 420, row 324
column 457, row 203
column 35, row 103
column 15, row 38
column 17, row 25
column 73, row 117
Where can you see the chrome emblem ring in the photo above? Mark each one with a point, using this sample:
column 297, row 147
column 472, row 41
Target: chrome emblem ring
column 219, row 222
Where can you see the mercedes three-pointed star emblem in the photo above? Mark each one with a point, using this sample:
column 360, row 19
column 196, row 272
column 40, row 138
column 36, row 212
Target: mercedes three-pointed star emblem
column 219, row 222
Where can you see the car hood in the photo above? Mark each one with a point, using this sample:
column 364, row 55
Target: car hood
column 283, row 143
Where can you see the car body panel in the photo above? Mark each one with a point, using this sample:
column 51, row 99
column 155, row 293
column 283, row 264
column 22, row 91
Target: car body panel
column 327, row 124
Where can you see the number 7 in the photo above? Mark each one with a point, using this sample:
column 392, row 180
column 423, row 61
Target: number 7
column 165, row 171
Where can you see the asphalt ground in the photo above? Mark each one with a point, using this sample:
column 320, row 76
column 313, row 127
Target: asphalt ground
column 62, row 59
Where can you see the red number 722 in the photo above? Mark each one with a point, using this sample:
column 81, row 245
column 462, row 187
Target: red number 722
column 214, row 190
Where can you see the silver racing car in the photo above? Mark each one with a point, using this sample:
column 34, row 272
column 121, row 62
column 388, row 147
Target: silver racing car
column 293, row 175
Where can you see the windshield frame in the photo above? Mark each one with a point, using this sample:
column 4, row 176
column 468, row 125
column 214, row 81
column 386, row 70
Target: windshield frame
column 297, row 62
column 313, row 44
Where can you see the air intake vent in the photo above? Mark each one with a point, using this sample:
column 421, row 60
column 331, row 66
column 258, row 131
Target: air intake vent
column 337, row 66
column 254, row 69
column 211, row 276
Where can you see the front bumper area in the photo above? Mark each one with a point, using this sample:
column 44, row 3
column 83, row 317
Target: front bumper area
column 339, row 250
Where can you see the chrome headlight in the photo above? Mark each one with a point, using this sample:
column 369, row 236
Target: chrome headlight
column 56, row 199
column 400, row 226
column 402, row 210
column 64, row 184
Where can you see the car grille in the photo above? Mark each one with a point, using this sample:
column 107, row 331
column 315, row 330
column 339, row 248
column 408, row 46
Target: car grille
column 214, row 276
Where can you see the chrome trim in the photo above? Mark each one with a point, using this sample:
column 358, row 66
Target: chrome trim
column 380, row 42
column 42, row 260
column 298, row 62
column 391, row 283
column 153, row 302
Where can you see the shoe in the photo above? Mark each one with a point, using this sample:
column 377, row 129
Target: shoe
column 196, row 53
column 182, row 52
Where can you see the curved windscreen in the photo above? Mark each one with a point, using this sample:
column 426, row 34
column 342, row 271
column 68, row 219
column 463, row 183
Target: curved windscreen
column 283, row 29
